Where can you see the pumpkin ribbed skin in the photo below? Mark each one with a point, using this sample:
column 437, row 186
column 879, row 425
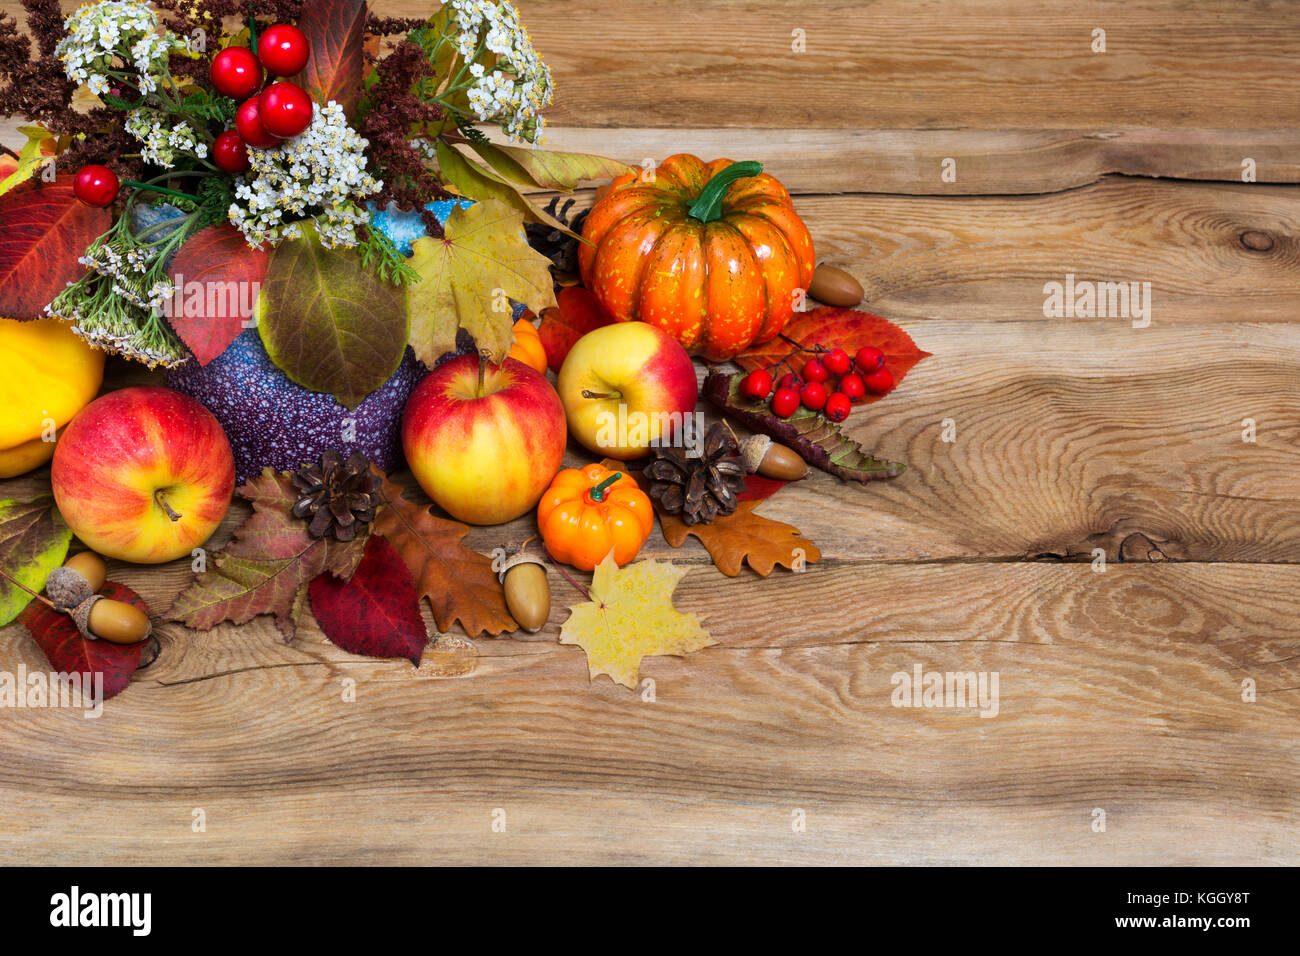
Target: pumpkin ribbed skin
column 717, row 287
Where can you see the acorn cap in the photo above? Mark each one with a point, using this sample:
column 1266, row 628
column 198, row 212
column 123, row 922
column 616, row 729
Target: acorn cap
column 67, row 588
column 752, row 450
column 81, row 616
column 516, row 559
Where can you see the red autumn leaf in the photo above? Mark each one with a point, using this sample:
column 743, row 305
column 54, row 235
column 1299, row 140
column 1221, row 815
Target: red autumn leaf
column 832, row 327
column 377, row 612
column 336, row 31
column 577, row 312
column 217, row 275
column 45, row 231
column 70, row 653
column 758, row 487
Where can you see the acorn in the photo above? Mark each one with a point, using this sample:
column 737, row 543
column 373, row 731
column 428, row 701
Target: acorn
column 83, row 575
column 528, row 593
column 763, row 456
column 834, row 286
column 101, row 618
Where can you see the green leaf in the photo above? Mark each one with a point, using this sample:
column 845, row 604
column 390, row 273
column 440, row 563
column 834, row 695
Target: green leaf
column 328, row 322
column 548, row 169
column 30, row 158
column 465, row 278
column 474, row 182
column 34, row 541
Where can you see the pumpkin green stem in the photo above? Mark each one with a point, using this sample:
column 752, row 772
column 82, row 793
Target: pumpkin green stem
column 708, row 206
column 598, row 491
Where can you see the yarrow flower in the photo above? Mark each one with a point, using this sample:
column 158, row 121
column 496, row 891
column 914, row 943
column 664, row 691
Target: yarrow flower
column 319, row 174
column 513, row 91
column 159, row 144
column 103, row 36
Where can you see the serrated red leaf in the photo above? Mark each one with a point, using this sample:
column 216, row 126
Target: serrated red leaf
column 45, row 230
column 226, row 273
column 833, row 327
column 70, row 653
column 576, row 313
column 335, row 30
column 758, row 487
column 377, row 612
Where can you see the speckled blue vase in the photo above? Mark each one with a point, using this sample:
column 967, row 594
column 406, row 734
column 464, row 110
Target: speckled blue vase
column 271, row 421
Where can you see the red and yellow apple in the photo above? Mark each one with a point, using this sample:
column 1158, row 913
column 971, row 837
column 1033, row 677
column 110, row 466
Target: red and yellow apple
column 626, row 386
column 143, row 474
column 484, row 440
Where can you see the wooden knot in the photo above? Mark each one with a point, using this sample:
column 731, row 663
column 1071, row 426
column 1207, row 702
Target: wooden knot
column 1138, row 547
column 1256, row 241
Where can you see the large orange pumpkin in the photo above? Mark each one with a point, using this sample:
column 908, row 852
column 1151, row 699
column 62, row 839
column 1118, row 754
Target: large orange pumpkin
column 712, row 253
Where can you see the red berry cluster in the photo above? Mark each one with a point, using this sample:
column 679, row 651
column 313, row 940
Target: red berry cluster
column 829, row 383
column 281, row 110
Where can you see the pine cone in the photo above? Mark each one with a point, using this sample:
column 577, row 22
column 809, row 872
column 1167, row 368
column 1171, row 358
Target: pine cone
column 699, row 489
column 339, row 497
column 561, row 249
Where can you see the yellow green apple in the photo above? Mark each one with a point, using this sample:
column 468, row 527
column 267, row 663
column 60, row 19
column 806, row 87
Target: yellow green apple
column 143, row 474
column 484, row 440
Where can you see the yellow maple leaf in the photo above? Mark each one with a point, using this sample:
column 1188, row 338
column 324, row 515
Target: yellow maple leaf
column 631, row 616
column 466, row 277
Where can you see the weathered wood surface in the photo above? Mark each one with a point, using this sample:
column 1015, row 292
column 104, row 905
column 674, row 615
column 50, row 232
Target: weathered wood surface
column 1120, row 689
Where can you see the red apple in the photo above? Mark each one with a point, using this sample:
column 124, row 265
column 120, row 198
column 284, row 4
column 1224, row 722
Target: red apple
column 484, row 441
column 143, row 474
column 625, row 386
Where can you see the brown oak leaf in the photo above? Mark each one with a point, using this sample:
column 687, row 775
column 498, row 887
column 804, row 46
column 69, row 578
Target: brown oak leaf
column 267, row 567
column 742, row 535
column 458, row 581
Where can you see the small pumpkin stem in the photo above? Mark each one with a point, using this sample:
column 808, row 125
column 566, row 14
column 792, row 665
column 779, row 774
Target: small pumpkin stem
column 708, row 206
column 598, row 492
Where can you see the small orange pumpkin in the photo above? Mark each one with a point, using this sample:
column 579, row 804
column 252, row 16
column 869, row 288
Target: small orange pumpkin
column 588, row 511
column 712, row 253
column 528, row 346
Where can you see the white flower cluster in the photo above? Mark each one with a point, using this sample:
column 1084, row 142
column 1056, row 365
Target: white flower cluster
column 319, row 174
column 515, row 90
column 159, row 146
column 124, row 272
column 121, row 30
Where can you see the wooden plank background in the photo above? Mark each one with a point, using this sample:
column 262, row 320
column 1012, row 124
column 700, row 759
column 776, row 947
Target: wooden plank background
column 1121, row 689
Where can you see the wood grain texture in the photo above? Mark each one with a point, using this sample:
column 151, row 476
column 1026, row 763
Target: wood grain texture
column 1119, row 690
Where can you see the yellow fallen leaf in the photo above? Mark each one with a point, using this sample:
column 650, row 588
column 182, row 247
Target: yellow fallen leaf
column 631, row 616
column 466, row 277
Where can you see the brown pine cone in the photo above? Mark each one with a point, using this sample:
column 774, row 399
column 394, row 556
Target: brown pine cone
column 698, row 488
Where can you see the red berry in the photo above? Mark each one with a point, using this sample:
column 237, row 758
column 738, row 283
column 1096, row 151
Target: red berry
column 815, row 371
column 790, row 380
column 95, row 185
column 230, row 153
column 836, row 361
column 283, row 50
column 869, row 359
column 853, row 387
column 879, row 381
column 248, row 120
column 838, row 407
column 785, row 402
column 236, row 72
column 285, row 109
column 813, row 396
column 756, row 385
